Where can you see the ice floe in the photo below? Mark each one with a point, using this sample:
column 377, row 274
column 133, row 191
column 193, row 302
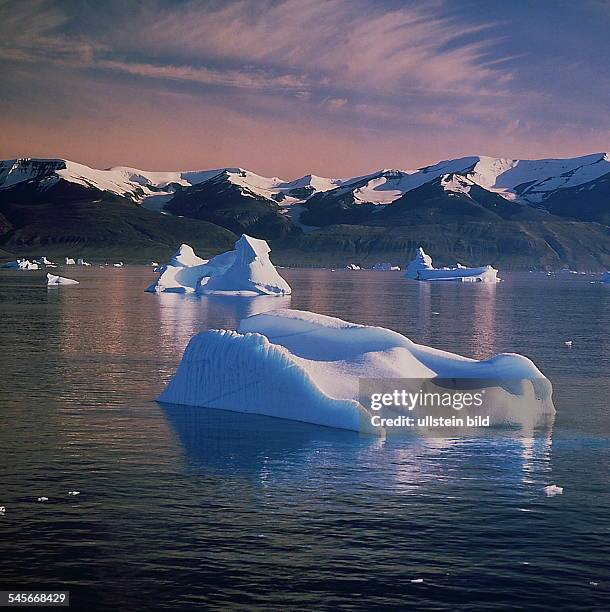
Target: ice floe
column 245, row 271
column 352, row 266
column 70, row 261
column 306, row 367
column 54, row 281
column 82, row 262
column 21, row 264
column 421, row 268
column 385, row 267
column 552, row 490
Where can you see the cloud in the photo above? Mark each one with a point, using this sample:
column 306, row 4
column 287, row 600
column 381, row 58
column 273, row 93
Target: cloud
column 288, row 45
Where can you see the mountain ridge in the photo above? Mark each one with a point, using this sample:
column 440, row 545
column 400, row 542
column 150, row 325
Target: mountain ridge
column 445, row 195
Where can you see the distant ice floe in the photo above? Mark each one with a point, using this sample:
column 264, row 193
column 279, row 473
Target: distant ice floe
column 20, row 264
column 245, row 271
column 82, row 262
column 352, row 266
column 119, row 264
column 552, row 490
column 306, row 367
column 70, row 261
column 385, row 267
column 421, row 268
column 54, row 281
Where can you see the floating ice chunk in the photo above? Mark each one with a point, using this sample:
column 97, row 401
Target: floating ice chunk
column 119, row 264
column 55, row 281
column 20, row 264
column 2, row 510
column 43, row 499
column 47, row 262
column 245, row 271
column 417, row 580
column 422, row 261
column 82, row 262
column 251, row 273
column 352, row 266
column 421, row 268
column 73, row 493
column 70, row 261
column 385, row 267
column 552, row 490
column 184, row 271
column 568, row 342
column 303, row 366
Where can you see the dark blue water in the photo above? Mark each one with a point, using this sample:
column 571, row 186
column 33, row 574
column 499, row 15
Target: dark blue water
column 186, row 508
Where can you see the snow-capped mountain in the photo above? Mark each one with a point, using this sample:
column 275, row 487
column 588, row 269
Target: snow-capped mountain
column 577, row 188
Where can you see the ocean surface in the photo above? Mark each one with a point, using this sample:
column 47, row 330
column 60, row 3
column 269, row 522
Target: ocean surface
column 184, row 508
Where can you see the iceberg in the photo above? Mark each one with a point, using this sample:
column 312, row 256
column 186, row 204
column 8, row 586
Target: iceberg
column 245, row 271
column 70, row 261
column 21, row 264
column 352, row 266
column 306, row 367
column 120, row 264
column 385, row 267
column 82, row 262
column 250, row 274
column 55, row 281
column 421, row 268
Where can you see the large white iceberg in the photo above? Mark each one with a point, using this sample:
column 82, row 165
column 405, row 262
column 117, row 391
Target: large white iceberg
column 421, row 268
column 21, row 264
column 245, row 271
column 306, row 367
column 54, row 281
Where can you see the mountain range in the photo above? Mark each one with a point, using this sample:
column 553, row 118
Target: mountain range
column 548, row 213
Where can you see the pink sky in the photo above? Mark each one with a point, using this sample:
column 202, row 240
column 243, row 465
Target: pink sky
column 286, row 88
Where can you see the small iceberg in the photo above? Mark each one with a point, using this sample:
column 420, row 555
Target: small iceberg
column 385, row 267
column 119, row 264
column 352, row 266
column 82, row 262
column 552, row 490
column 306, row 367
column 54, row 281
column 21, row 264
column 421, row 268
column 70, row 261
column 245, row 271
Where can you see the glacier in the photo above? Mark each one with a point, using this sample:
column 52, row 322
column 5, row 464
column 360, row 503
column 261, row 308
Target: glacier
column 245, row 271
column 55, row 281
column 421, row 268
column 306, row 367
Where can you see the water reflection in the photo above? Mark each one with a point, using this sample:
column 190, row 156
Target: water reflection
column 247, row 444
